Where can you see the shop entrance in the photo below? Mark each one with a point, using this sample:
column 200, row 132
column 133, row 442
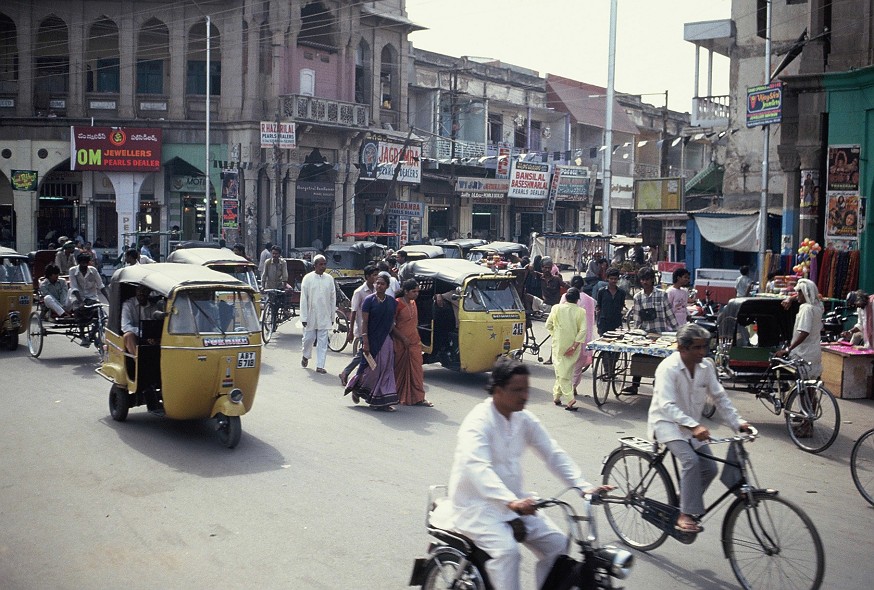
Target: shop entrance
column 438, row 222
column 486, row 222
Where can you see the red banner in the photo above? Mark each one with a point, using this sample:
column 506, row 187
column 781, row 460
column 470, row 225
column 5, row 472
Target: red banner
column 115, row 149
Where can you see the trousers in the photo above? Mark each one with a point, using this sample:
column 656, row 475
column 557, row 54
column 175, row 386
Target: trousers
column 696, row 473
column 544, row 539
column 320, row 337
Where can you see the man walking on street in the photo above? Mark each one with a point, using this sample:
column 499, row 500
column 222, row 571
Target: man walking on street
column 318, row 306
column 354, row 335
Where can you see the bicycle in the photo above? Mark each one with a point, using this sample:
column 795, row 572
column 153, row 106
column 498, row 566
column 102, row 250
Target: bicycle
column 769, row 541
column 87, row 325
column 862, row 465
column 813, row 417
column 274, row 312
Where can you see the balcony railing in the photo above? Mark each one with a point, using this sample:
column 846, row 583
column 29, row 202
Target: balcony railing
column 325, row 110
column 711, row 111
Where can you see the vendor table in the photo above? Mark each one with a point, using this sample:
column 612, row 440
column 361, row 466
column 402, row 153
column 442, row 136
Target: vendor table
column 615, row 362
column 847, row 370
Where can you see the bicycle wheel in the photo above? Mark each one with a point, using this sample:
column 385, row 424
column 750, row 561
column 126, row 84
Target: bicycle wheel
column 602, row 377
column 862, row 465
column 268, row 321
column 337, row 337
column 631, row 471
column 772, row 545
column 442, row 571
column 812, row 418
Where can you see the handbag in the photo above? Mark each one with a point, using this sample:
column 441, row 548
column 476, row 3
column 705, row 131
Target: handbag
column 648, row 314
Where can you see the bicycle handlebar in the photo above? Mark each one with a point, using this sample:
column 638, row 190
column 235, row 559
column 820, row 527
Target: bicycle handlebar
column 752, row 435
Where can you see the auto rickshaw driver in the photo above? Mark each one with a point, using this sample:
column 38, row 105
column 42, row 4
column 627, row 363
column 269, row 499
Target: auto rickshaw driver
column 134, row 310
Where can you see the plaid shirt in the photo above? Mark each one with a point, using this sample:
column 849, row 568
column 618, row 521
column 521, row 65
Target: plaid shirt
column 664, row 316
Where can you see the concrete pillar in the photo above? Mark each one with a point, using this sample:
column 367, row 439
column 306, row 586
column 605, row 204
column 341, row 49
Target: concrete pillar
column 76, row 47
column 809, row 158
column 127, row 187
column 178, row 60
column 127, row 66
column 25, row 205
column 24, row 106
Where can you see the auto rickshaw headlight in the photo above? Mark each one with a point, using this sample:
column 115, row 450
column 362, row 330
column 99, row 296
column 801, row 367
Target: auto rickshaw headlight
column 236, row 396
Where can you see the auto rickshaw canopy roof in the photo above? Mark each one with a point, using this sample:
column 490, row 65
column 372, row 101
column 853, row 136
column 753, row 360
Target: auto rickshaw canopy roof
column 207, row 257
column 420, row 251
column 502, row 248
column 773, row 323
column 10, row 253
column 166, row 277
column 465, row 242
column 450, row 270
column 361, row 247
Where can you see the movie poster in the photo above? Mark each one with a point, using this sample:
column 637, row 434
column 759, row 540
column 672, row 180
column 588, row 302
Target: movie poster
column 809, row 197
column 842, row 216
column 843, row 168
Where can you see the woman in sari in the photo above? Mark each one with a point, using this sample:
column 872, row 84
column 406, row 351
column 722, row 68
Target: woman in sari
column 409, row 376
column 376, row 385
column 567, row 326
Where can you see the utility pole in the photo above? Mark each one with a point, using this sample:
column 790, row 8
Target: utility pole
column 206, row 151
column 608, row 126
column 663, row 152
column 763, row 201
column 277, row 172
column 453, row 116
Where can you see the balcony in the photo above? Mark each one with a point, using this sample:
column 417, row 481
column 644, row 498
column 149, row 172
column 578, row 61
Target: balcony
column 711, row 111
column 325, row 111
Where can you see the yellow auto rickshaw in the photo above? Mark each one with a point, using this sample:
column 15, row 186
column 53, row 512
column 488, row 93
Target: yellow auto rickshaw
column 199, row 348
column 348, row 259
column 502, row 249
column 16, row 296
column 422, row 252
column 223, row 260
column 468, row 315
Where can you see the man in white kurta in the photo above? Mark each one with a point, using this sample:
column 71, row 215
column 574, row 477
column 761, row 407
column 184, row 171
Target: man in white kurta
column 684, row 382
column 318, row 306
column 485, row 486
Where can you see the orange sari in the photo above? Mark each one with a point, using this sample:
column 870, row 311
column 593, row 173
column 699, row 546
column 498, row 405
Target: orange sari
column 409, row 375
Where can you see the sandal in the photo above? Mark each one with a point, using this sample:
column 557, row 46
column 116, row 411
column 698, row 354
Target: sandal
column 557, row 402
column 571, row 408
column 384, row 408
column 424, row 402
column 691, row 528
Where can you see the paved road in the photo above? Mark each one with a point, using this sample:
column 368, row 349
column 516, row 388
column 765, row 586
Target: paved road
column 320, row 493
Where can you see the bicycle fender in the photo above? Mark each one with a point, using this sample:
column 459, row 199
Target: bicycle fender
column 762, row 493
column 417, row 578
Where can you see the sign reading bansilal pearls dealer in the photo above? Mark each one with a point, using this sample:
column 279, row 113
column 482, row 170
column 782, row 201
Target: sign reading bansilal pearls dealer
column 529, row 180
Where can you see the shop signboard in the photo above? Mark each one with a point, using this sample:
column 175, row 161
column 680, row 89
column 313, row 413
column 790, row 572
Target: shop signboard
column 573, row 183
column 24, row 180
column 764, row 104
column 662, row 195
column 230, row 205
column 502, row 168
column 404, row 218
column 529, row 180
column 380, row 158
column 316, row 191
column 187, row 184
column 472, row 184
column 287, row 139
column 115, row 149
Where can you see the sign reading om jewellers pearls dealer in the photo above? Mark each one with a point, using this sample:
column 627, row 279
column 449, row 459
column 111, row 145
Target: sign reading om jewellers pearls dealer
column 529, row 180
column 115, row 149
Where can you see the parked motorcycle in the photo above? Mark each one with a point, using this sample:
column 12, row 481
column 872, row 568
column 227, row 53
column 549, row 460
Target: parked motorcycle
column 704, row 313
column 840, row 318
column 454, row 562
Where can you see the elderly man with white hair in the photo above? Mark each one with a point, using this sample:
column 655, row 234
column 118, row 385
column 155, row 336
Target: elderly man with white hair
column 318, row 306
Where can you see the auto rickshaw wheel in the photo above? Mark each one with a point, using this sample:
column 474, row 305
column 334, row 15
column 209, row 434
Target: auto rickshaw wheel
column 229, row 430
column 118, row 403
column 12, row 340
column 35, row 335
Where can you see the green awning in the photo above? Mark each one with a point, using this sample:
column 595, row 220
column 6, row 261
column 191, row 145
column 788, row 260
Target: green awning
column 707, row 182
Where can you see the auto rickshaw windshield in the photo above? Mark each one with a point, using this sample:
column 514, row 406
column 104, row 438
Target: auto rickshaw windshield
column 206, row 311
column 491, row 295
column 242, row 273
column 14, row 270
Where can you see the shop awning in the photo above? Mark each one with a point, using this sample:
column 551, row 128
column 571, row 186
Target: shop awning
column 707, row 182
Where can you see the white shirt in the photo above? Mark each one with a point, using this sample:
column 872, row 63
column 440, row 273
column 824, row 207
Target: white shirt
column 394, row 286
column 357, row 299
column 809, row 319
column 487, row 470
column 318, row 301
column 88, row 285
column 132, row 313
column 678, row 399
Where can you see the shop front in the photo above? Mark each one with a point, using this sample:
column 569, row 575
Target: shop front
column 486, row 201
column 573, row 190
column 527, row 193
column 314, row 213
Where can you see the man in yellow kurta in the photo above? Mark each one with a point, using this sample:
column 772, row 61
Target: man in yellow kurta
column 567, row 325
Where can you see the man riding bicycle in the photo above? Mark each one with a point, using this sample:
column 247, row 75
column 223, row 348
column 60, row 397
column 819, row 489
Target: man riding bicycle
column 683, row 384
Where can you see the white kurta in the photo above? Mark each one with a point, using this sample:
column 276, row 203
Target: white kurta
column 487, row 470
column 318, row 301
column 678, row 399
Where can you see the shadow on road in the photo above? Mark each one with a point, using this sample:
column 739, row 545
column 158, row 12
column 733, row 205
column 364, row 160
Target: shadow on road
column 703, row 579
column 191, row 446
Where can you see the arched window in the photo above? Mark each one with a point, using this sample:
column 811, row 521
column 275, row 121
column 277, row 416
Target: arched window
column 196, row 73
column 318, row 27
column 389, row 79
column 8, row 52
column 363, row 73
column 101, row 57
column 153, row 57
column 52, row 57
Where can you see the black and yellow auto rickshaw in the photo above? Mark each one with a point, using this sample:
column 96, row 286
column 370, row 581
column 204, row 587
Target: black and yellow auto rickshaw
column 199, row 350
column 502, row 249
column 16, row 296
column 348, row 259
column 468, row 315
column 220, row 259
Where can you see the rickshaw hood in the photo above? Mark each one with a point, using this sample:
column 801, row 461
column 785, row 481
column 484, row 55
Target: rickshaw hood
column 502, row 248
column 165, row 277
column 207, row 257
column 449, row 270
column 10, row 253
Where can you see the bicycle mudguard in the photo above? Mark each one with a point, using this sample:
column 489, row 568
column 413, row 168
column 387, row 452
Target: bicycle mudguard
column 759, row 493
column 417, row 578
column 664, row 516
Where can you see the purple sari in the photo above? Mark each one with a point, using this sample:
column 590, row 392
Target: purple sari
column 377, row 386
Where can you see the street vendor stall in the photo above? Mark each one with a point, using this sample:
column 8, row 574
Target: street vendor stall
column 572, row 250
column 847, row 370
column 619, row 356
